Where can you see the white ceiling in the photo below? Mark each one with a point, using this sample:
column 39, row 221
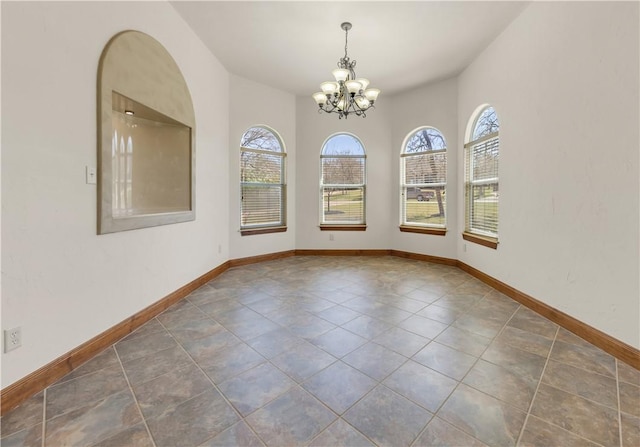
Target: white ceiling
column 294, row 46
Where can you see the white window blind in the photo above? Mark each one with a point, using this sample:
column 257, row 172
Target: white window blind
column 342, row 186
column 481, row 176
column 263, row 191
column 424, row 179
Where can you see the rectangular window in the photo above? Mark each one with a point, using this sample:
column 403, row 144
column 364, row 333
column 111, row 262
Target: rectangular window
column 423, row 189
column 343, row 189
column 262, row 187
column 481, row 187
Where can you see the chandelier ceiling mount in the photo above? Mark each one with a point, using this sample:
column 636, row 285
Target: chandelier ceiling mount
column 347, row 94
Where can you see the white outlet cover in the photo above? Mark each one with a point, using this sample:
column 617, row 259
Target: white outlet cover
column 12, row 339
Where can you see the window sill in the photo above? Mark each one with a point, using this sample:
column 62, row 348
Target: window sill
column 267, row 230
column 490, row 242
column 357, row 227
column 423, row 230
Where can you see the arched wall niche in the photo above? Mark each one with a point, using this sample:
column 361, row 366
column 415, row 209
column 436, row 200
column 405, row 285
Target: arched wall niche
column 146, row 135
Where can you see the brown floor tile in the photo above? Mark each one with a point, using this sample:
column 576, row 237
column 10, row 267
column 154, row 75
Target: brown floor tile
column 529, row 321
column 479, row 325
column 448, row 361
column 442, row 314
column 338, row 314
column 367, row 327
column 203, row 350
column 387, row 418
column 192, row 422
column 171, row 389
column 388, row 314
column 630, row 430
column 374, row 313
column 459, row 301
column 254, row 388
column 526, row 341
column 340, row 296
column 521, row 363
column 571, row 338
column 628, row 374
column 463, row 341
column 24, row 416
column 144, row 345
column 231, row 361
column 338, row 342
column 339, row 386
column 630, row 399
column 539, row 433
column 422, row 385
column 595, row 387
column 422, row 326
column 310, row 326
column 312, row 303
column 576, row 414
column 238, row 434
column 303, row 361
column 275, row 342
column 268, row 304
column 401, row 341
column 147, row 368
column 219, row 307
column 180, row 313
column 442, row 434
column 422, row 295
column 294, row 418
column 194, row 330
column 150, row 327
column 95, row 422
column 502, row 384
column 85, row 390
column 103, row 360
column 28, row 437
column 374, row 360
column 340, row 434
column 250, row 327
column 486, row 418
column 585, row 357
column 136, row 436
column 401, row 302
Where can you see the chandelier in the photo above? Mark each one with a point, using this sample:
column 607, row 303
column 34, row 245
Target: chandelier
column 347, row 94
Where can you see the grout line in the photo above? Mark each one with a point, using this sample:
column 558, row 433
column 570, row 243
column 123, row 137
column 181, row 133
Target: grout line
column 44, row 416
column 618, row 396
column 197, row 365
column 535, row 393
column 478, row 358
column 144, row 420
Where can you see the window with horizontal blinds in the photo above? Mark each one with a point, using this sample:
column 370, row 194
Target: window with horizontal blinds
column 481, row 176
column 424, row 179
column 263, row 189
column 343, row 180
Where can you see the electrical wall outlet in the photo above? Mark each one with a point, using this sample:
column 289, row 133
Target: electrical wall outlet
column 12, row 339
column 331, row 237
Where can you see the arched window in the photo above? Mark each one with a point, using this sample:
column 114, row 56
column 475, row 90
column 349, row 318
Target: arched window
column 481, row 178
column 262, row 182
column 424, row 180
column 342, row 183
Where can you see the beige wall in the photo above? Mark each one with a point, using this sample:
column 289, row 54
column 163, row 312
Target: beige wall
column 62, row 283
column 563, row 78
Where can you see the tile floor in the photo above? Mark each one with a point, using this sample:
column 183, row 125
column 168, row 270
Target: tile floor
column 344, row 351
